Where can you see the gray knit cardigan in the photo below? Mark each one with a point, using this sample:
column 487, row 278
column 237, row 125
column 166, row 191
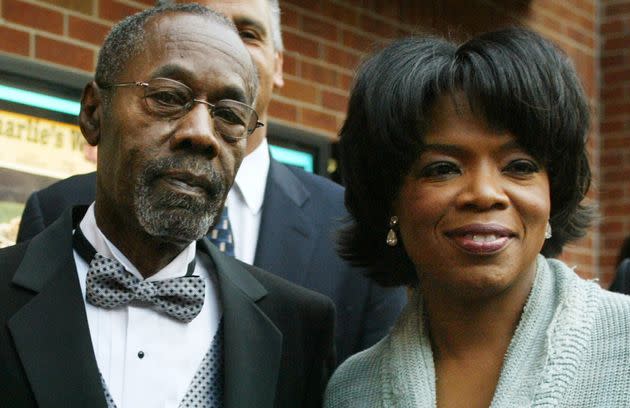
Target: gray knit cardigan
column 571, row 348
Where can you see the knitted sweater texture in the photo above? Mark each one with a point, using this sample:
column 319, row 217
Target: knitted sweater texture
column 571, row 348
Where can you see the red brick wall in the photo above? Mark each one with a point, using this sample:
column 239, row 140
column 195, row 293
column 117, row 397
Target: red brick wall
column 326, row 39
column 615, row 131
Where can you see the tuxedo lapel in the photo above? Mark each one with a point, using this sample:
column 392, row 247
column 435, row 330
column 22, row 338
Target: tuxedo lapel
column 252, row 343
column 50, row 332
column 286, row 238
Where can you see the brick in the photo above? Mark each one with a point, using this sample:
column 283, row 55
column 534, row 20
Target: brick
column 81, row 6
column 290, row 18
column 320, row 28
column 318, row 73
column 616, row 26
column 587, row 6
column 387, row 8
column 618, row 75
column 320, row 120
column 613, row 61
column 32, row 15
column 345, row 81
column 613, row 126
column 613, row 93
column 335, row 101
column 613, row 177
column 301, row 45
column 311, row 5
column 283, row 111
column 299, row 90
column 378, row 27
column 611, row 159
column 14, row 41
column 581, row 37
column 616, row 9
column 612, row 242
column 289, row 64
column 340, row 13
column 345, row 59
column 64, row 53
column 616, row 108
column 114, row 11
column 565, row 12
column 613, row 228
column 87, row 30
column 359, row 42
column 617, row 43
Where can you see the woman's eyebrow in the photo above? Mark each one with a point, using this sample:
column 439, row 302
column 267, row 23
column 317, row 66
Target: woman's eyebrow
column 448, row 149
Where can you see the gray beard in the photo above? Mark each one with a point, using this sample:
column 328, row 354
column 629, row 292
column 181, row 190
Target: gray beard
column 172, row 216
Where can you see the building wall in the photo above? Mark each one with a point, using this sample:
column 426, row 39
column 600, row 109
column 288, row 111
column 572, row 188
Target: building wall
column 326, row 39
column 615, row 130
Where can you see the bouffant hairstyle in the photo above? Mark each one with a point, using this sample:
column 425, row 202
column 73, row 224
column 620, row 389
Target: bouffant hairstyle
column 513, row 79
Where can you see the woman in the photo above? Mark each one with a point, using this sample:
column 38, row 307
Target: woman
column 465, row 168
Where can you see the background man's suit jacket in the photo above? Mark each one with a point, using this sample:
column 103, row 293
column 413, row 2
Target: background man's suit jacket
column 300, row 216
column 278, row 337
column 621, row 283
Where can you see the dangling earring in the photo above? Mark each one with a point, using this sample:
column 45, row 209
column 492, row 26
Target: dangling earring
column 392, row 239
column 548, row 231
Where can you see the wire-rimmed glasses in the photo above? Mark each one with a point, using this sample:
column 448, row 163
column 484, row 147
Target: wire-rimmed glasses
column 171, row 99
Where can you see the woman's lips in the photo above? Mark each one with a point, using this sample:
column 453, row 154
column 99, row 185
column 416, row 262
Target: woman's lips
column 481, row 239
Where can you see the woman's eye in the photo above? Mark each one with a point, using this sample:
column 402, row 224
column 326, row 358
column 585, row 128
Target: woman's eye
column 522, row 167
column 439, row 170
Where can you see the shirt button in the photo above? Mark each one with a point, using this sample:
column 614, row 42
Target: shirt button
column 140, row 354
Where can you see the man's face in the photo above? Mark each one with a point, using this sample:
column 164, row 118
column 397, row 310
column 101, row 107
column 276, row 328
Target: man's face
column 169, row 177
column 253, row 21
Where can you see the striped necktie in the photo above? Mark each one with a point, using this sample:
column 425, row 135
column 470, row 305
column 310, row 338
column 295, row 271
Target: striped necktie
column 221, row 234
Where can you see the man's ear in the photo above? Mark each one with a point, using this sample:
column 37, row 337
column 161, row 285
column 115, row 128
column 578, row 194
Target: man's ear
column 278, row 80
column 91, row 112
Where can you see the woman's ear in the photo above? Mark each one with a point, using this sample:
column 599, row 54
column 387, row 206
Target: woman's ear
column 90, row 115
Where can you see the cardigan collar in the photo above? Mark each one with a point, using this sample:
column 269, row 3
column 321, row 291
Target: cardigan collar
column 549, row 342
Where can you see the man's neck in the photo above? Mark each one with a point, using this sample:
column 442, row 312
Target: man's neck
column 147, row 253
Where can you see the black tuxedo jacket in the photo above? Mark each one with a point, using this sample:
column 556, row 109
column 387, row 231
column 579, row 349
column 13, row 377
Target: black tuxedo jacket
column 278, row 344
column 301, row 213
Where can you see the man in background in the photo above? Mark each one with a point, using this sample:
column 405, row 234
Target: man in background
column 282, row 219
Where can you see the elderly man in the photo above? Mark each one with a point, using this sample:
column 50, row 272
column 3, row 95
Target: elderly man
column 283, row 219
column 117, row 304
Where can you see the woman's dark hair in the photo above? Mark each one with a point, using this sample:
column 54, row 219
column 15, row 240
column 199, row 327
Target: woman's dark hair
column 513, row 79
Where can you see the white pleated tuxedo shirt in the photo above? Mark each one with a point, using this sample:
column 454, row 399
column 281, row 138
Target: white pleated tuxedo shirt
column 146, row 358
column 245, row 201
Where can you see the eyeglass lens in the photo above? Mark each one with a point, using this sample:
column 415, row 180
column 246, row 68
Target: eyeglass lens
column 171, row 99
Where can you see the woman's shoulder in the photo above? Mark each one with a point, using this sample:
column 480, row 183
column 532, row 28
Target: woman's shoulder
column 613, row 314
column 609, row 307
column 356, row 381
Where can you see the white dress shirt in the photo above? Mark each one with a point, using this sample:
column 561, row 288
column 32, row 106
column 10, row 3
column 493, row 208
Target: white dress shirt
column 245, row 200
column 171, row 350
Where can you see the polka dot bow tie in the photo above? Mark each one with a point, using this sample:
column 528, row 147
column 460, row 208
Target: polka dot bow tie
column 109, row 285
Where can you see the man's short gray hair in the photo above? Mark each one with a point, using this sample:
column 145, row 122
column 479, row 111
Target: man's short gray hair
column 276, row 30
column 126, row 38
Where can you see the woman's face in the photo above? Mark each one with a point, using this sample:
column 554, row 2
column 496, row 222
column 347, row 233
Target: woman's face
column 473, row 209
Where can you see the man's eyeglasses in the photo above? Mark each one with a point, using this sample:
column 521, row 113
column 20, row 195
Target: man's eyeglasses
column 170, row 99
